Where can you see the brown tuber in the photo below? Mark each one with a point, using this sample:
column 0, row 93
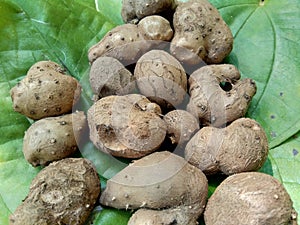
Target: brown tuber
column 161, row 78
column 45, row 91
column 109, row 77
column 181, row 126
column 133, row 10
column 128, row 42
column 62, row 193
column 250, row 198
column 53, row 138
column 218, row 96
column 167, row 188
column 240, row 147
column 126, row 126
column 199, row 28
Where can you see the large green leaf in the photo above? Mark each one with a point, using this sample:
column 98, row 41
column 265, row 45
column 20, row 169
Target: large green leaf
column 265, row 49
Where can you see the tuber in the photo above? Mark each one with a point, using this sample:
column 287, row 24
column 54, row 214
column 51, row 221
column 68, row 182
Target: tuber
column 128, row 42
column 126, row 126
column 109, row 77
column 133, row 10
column 240, row 147
column 161, row 78
column 250, row 198
column 218, row 96
column 199, row 28
column 164, row 185
column 62, row 193
column 53, row 138
column 45, row 91
column 181, row 126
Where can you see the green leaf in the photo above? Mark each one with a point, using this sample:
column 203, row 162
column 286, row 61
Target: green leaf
column 284, row 164
column 266, row 49
column 112, row 217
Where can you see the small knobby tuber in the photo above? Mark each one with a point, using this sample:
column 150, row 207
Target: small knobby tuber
column 155, row 28
column 250, row 198
column 53, row 138
column 161, row 78
column 218, row 96
column 240, row 147
column 167, row 188
column 109, row 77
column 133, row 10
column 45, row 91
column 62, row 193
column 126, row 126
column 199, row 27
column 181, row 125
column 128, row 42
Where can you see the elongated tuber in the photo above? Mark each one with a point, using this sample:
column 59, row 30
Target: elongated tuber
column 164, row 185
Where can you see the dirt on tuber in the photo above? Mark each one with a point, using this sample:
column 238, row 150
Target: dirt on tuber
column 64, row 192
column 126, row 126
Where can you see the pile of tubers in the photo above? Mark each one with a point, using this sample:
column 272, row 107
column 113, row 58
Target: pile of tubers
column 163, row 100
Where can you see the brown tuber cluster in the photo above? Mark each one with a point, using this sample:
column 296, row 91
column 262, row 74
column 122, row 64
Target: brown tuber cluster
column 145, row 100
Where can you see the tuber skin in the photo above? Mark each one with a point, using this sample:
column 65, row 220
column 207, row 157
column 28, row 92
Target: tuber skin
column 128, row 42
column 211, row 103
column 126, row 126
column 62, row 193
column 155, row 28
column 161, row 78
column 181, row 126
column 53, row 138
column 199, row 27
column 109, row 77
column 45, row 91
column 250, row 198
column 133, row 10
column 240, row 147
column 164, row 185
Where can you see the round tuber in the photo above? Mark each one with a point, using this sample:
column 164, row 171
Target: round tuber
column 126, row 126
column 62, row 193
column 53, row 138
column 250, row 198
column 45, row 91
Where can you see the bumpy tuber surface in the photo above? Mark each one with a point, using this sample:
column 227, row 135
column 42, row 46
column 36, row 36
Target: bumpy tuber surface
column 62, row 193
column 164, row 184
column 199, row 27
column 133, row 10
column 181, row 125
column 128, row 42
column 161, row 78
column 218, row 96
column 240, row 147
column 53, row 138
column 109, row 77
column 250, row 198
column 126, row 126
column 45, row 91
